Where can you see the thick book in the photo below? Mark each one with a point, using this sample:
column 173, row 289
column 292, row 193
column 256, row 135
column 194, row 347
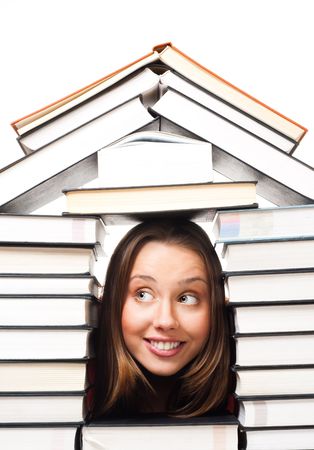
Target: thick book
column 273, row 318
column 263, row 223
column 18, row 228
column 269, row 286
column 47, row 285
column 239, row 155
column 53, row 310
column 40, row 407
column 197, row 197
column 40, row 437
column 43, row 375
column 273, row 380
column 155, row 158
column 146, row 83
column 42, row 259
column 22, row 176
column 208, row 433
column 222, row 108
column 268, row 349
column 267, row 254
column 276, row 412
column 171, row 57
column 54, row 259
column 41, row 342
column 276, row 438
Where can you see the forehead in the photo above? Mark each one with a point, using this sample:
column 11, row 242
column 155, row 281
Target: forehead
column 156, row 254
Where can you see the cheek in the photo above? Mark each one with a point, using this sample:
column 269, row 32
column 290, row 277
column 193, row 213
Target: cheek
column 133, row 320
column 198, row 325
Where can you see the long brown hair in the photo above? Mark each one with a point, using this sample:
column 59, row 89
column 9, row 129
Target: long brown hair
column 120, row 382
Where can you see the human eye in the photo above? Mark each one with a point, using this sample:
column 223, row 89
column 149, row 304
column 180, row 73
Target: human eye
column 188, row 299
column 143, row 296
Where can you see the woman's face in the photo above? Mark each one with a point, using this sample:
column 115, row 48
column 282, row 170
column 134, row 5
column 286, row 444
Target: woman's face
column 165, row 317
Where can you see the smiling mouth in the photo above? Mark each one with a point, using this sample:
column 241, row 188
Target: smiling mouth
column 165, row 346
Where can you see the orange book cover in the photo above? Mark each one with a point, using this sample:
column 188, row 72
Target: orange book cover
column 159, row 48
column 75, row 94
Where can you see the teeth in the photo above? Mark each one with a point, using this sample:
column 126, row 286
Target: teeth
column 160, row 345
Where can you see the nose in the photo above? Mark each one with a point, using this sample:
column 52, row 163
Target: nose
column 165, row 316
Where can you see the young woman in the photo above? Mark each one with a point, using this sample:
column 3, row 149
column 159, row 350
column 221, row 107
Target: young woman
column 162, row 343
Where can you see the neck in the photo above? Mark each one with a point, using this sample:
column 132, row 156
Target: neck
column 157, row 401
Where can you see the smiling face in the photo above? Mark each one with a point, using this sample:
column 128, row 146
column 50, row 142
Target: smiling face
column 165, row 317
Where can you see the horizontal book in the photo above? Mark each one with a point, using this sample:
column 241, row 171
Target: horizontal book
column 267, row 254
column 43, row 376
column 47, row 311
column 150, row 199
column 208, row 433
column 234, row 115
column 274, row 349
column 170, row 56
column 36, row 284
column 264, row 223
column 155, row 158
column 277, row 438
column 145, row 83
column 41, row 437
column 22, row 176
column 43, row 259
column 51, row 229
column 269, row 286
column 271, row 412
column 273, row 317
column 45, row 343
column 274, row 380
column 282, row 179
column 42, row 408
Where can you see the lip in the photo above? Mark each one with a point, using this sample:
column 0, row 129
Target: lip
column 163, row 353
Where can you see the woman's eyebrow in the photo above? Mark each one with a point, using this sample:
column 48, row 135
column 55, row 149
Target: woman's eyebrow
column 192, row 280
column 143, row 277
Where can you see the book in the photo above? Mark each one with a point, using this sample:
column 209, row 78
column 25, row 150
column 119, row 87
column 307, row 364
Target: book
column 267, row 254
column 274, row 380
column 294, row 316
column 21, row 177
column 51, row 229
column 171, row 57
column 269, row 286
column 53, row 310
column 208, row 433
column 36, row 284
column 42, row 259
column 263, row 223
column 42, row 407
column 43, row 376
column 198, row 197
column 236, row 116
column 155, row 158
column 275, row 412
column 42, row 437
column 277, row 438
column 144, row 83
column 239, row 155
column 274, row 349
column 43, row 342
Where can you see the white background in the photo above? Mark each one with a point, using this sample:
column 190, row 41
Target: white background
column 52, row 48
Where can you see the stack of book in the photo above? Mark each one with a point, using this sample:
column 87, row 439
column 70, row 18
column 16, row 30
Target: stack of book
column 268, row 258
column 150, row 139
column 47, row 313
column 163, row 91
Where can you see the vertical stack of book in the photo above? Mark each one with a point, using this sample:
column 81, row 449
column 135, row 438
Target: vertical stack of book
column 268, row 258
column 47, row 312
